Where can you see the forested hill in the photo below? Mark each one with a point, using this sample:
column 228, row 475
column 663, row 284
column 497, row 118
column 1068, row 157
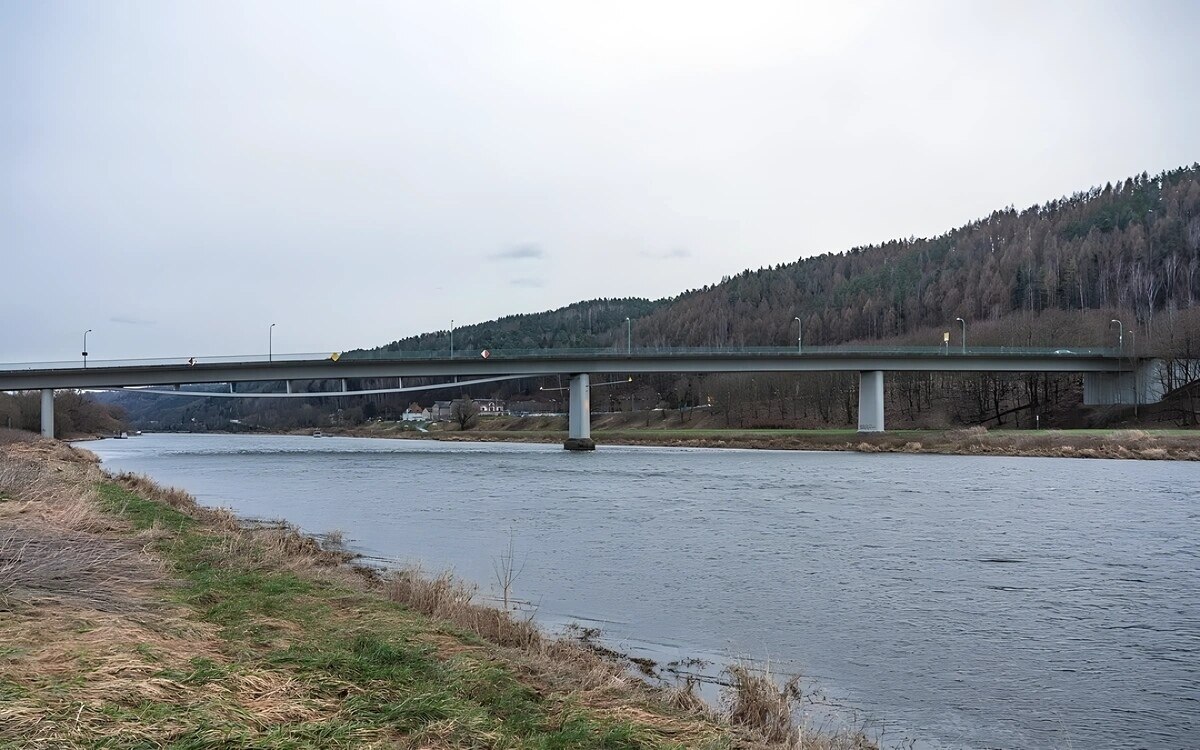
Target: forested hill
column 1130, row 248
column 594, row 323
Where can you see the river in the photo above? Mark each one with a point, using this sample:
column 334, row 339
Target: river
column 950, row 601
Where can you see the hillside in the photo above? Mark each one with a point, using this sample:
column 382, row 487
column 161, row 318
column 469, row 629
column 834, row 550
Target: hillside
column 1130, row 247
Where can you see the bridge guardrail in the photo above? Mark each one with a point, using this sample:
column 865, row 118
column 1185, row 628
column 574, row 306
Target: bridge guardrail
column 647, row 351
column 597, row 353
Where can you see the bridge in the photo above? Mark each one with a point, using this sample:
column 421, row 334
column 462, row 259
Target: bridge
column 1109, row 376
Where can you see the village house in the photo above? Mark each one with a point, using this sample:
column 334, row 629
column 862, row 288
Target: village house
column 416, row 413
column 488, row 407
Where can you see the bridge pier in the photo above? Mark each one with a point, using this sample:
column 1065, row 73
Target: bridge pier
column 48, row 412
column 579, row 416
column 870, row 401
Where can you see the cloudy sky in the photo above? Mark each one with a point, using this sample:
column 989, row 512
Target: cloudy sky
column 177, row 176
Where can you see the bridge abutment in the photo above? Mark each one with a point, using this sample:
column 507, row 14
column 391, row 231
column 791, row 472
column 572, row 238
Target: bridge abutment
column 870, row 401
column 1143, row 383
column 579, row 415
column 48, row 412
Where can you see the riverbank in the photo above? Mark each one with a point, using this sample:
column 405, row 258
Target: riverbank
column 1177, row 445
column 133, row 617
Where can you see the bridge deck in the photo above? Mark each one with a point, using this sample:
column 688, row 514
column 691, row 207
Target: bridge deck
column 183, row 370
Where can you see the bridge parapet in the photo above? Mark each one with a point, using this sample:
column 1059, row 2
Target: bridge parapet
column 621, row 353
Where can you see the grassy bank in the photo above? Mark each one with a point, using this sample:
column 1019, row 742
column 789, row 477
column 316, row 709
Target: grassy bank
column 130, row 617
column 1181, row 445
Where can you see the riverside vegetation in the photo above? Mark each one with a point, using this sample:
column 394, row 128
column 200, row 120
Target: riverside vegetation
column 1178, row 445
column 131, row 617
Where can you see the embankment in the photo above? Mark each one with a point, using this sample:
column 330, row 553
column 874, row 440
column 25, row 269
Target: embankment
column 132, row 617
column 1157, row 445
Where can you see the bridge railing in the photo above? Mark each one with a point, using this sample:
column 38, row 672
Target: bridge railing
column 229, row 359
column 598, row 353
column 771, row 351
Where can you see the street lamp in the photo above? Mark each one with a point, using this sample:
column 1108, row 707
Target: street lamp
column 1120, row 333
column 628, row 336
column 452, row 338
column 271, row 343
column 799, row 336
column 964, row 339
column 85, row 333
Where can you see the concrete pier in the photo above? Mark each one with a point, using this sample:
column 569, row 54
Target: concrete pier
column 48, row 412
column 870, row 401
column 579, row 419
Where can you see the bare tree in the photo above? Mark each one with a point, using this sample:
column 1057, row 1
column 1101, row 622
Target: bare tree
column 507, row 570
column 464, row 412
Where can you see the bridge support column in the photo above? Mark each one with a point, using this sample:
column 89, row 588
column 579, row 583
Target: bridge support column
column 870, row 401
column 579, row 418
column 48, row 412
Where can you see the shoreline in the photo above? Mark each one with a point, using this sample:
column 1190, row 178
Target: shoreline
column 1173, row 445
column 233, row 602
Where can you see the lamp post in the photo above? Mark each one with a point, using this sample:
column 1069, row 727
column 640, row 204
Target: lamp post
column 964, row 331
column 799, row 336
column 85, row 333
column 1120, row 334
column 452, row 338
column 271, row 343
column 628, row 336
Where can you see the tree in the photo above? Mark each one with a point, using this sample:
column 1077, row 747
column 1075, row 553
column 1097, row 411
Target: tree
column 464, row 412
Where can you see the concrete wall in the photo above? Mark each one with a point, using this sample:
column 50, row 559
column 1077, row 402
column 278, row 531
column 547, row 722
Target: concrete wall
column 1144, row 384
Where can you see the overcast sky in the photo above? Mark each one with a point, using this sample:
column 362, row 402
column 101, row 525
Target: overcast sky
column 178, row 176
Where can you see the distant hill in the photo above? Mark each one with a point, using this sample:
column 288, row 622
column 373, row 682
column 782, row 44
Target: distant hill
column 594, row 323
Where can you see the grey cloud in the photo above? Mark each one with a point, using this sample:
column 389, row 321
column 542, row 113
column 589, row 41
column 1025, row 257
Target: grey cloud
column 520, row 252
column 131, row 321
column 528, row 282
column 673, row 253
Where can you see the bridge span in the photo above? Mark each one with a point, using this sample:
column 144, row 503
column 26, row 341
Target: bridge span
column 1109, row 376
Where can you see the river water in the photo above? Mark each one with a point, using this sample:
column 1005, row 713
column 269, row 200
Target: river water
column 954, row 601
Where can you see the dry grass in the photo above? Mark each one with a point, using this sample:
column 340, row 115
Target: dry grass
column 85, row 629
column 9, row 435
column 757, row 701
column 974, row 433
column 449, row 599
column 1127, row 437
column 89, row 571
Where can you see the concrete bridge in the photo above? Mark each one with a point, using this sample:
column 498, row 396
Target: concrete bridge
column 1109, row 377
